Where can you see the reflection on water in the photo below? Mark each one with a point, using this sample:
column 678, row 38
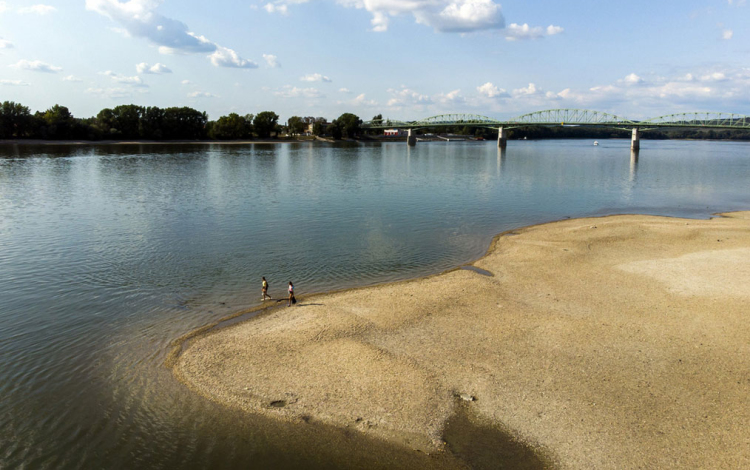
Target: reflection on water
column 107, row 253
column 633, row 164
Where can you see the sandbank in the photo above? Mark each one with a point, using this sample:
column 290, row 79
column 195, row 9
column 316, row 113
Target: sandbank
column 614, row 342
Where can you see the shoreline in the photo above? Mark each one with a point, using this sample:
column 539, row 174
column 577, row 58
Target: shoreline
column 400, row 365
column 39, row 142
column 83, row 143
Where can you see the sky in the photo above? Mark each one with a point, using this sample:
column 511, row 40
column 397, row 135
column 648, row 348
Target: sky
column 404, row 59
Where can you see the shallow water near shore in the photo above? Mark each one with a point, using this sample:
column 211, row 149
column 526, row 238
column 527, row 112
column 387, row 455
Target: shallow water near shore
column 107, row 254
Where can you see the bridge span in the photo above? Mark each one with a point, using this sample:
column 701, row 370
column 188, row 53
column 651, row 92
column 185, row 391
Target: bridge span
column 570, row 118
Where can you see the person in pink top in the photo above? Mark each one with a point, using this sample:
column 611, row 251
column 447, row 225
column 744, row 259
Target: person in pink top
column 292, row 300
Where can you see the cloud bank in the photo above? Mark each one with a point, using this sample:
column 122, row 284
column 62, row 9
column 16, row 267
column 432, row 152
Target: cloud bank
column 140, row 19
column 36, row 66
column 156, row 69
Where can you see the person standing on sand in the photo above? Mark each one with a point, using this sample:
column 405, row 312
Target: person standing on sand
column 265, row 290
column 291, row 295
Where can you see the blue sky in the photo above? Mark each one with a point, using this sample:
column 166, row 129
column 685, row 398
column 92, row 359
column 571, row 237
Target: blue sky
column 406, row 59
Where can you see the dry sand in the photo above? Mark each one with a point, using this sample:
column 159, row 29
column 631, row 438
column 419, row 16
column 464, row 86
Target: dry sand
column 616, row 342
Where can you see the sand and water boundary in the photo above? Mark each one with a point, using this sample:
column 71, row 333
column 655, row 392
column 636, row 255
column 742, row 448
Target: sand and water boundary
column 613, row 342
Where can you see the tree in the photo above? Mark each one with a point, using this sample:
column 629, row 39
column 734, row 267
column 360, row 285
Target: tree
column 151, row 122
column 184, row 123
column 296, row 125
column 376, row 120
column 348, row 125
column 335, row 130
column 56, row 122
column 106, row 122
column 317, row 128
column 15, row 120
column 127, row 120
column 231, row 127
column 265, row 123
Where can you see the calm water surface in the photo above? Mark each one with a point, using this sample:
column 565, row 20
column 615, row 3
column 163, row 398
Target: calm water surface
column 109, row 253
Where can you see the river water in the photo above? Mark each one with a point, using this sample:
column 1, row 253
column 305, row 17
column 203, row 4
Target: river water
column 108, row 253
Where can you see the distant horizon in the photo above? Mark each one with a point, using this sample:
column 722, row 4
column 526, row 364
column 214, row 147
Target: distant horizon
column 404, row 60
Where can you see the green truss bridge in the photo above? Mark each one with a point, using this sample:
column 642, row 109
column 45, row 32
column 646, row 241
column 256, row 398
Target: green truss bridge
column 572, row 118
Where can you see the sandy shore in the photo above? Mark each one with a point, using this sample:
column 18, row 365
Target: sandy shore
column 617, row 342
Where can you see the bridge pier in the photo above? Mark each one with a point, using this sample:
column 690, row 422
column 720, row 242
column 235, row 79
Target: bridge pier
column 411, row 139
column 635, row 141
column 502, row 138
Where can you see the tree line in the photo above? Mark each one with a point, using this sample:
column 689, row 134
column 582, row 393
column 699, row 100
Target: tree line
column 153, row 123
column 185, row 123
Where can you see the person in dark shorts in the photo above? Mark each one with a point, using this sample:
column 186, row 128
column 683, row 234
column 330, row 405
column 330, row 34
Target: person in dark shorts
column 265, row 290
column 292, row 300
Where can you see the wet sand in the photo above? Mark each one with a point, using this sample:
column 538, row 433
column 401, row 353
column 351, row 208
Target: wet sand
column 616, row 342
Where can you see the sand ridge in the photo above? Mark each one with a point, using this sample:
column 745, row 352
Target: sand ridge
column 616, row 342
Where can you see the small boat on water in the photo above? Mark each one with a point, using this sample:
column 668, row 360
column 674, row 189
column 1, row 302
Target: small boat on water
column 596, row 142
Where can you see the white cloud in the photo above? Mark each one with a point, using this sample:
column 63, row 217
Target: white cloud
column 201, row 94
column 405, row 97
column 132, row 81
column 344, row 90
column 724, row 89
column 5, row 44
column 276, row 8
column 71, row 78
column 281, row 6
column 13, row 83
column 688, row 77
column 360, row 101
column 139, row 19
column 529, row 90
column 271, row 60
column 491, row 91
column 461, row 16
column 315, row 77
column 4, row 7
column 36, row 66
column 295, row 92
column 156, row 69
column 713, row 77
column 516, row 32
column 225, row 57
column 632, row 79
column 186, row 82
column 450, row 16
column 38, row 9
column 451, row 98
column 727, row 34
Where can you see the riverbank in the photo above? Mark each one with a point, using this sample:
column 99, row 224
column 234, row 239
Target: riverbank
column 24, row 142
column 616, row 342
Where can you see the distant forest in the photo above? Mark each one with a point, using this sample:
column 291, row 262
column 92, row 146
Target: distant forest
column 132, row 122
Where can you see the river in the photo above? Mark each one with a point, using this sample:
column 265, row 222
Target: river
column 108, row 253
